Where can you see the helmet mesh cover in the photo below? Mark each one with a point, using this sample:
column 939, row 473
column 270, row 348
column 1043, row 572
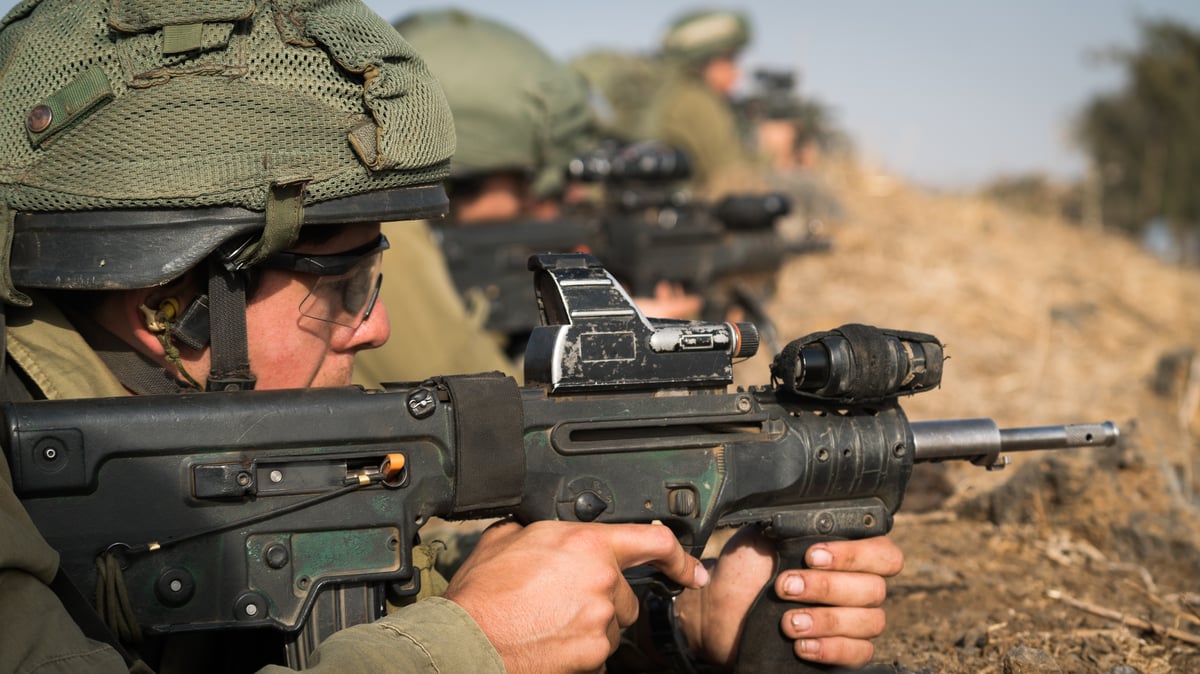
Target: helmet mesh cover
column 270, row 94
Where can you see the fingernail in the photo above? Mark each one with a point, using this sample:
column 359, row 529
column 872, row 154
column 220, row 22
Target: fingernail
column 803, row 622
column 820, row 557
column 809, row 646
column 701, row 575
column 794, row 585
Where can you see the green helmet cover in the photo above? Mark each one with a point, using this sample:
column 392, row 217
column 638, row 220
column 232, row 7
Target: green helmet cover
column 515, row 107
column 699, row 36
column 199, row 119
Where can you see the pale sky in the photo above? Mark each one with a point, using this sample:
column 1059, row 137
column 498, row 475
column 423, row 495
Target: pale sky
column 944, row 92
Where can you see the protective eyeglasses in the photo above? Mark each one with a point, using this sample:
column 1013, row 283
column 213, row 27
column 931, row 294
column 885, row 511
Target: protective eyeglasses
column 348, row 285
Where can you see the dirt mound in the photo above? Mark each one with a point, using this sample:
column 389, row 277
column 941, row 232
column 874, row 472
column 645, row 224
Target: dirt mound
column 1090, row 557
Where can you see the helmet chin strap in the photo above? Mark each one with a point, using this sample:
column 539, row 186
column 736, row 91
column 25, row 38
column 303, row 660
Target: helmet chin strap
column 230, row 369
column 217, row 319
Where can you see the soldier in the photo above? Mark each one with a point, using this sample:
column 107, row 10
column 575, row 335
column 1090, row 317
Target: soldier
column 790, row 133
column 692, row 109
column 191, row 201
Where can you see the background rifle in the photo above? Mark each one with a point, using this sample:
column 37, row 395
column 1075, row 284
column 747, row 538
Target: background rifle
column 646, row 231
column 728, row 252
column 489, row 265
column 297, row 511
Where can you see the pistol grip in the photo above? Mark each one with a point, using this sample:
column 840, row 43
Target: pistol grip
column 763, row 646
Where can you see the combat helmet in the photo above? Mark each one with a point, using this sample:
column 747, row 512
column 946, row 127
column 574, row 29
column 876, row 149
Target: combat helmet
column 515, row 107
column 140, row 138
column 699, row 36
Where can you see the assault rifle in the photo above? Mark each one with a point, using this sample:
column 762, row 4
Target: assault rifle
column 290, row 510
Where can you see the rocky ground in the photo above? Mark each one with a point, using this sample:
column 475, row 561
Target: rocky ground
column 1084, row 561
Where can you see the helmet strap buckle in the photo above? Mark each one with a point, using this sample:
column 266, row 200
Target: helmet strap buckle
column 192, row 328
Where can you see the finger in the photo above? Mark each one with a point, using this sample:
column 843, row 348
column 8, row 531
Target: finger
column 836, row 650
column 834, row 588
column 749, row 540
column 614, row 641
column 499, row 530
column 625, row 603
column 654, row 544
column 877, row 555
column 815, row 622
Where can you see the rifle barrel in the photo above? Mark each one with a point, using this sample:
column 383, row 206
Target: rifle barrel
column 974, row 438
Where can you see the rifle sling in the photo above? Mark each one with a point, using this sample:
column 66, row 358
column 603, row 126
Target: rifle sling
column 489, row 425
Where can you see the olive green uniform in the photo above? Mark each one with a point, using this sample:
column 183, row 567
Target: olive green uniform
column 38, row 635
column 689, row 115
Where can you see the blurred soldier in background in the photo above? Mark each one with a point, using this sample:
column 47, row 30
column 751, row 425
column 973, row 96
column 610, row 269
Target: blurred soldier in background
column 682, row 97
column 791, row 135
column 693, row 110
column 777, row 122
column 768, row 140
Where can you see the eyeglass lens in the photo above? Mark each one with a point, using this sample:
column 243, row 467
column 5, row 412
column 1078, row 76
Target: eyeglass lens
column 346, row 299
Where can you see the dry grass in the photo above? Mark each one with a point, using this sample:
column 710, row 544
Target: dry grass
column 1042, row 319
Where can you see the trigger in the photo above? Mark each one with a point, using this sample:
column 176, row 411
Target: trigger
column 645, row 575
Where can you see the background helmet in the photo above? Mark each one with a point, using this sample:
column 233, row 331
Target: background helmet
column 515, row 107
column 697, row 37
column 138, row 136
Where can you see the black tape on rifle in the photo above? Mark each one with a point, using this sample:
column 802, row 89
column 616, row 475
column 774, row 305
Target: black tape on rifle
column 489, row 424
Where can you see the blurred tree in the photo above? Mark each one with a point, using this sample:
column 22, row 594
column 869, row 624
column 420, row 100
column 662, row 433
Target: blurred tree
column 1144, row 140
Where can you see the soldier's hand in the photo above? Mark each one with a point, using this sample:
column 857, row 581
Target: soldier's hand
column 550, row 596
column 845, row 577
